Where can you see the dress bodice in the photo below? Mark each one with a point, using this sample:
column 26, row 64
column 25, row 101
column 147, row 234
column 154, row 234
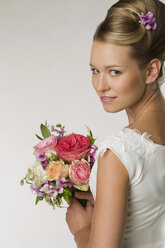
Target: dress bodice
column 145, row 163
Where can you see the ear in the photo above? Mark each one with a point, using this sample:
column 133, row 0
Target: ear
column 153, row 71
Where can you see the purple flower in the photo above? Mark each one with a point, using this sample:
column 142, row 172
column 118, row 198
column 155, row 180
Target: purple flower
column 61, row 132
column 93, row 154
column 95, row 148
column 151, row 25
column 44, row 164
column 149, row 20
column 47, row 189
column 70, row 184
column 60, row 190
column 41, row 157
column 37, row 188
column 92, row 158
column 146, row 18
column 61, row 182
column 48, row 182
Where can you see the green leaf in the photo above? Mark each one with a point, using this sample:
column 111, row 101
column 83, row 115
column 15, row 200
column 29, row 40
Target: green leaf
column 46, row 123
column 92, row 140
column 45, row 131
column 90, row 132
column 59, row 200
column 38, row 137
column 38, row 198
column 22, row 182
column 67, row 198
column 54, row 157
column 58, row 125
column 68, row 191
column 67, row 195
column 51, row 203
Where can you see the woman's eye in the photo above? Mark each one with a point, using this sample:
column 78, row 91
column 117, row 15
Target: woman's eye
column 95, row 71
column 116, row 72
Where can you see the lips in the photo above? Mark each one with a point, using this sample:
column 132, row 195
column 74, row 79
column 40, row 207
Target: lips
column 107, row 98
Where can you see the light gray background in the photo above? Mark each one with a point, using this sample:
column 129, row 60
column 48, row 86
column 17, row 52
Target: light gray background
column 44, row 75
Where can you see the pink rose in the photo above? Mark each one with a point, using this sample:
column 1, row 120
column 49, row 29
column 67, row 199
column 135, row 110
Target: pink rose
column 73, row 146
column 79, row 171
column 46, row 144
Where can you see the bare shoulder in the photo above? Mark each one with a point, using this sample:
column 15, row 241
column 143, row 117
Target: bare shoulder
column 110, row 162
column 110, row 209
column 156, row 127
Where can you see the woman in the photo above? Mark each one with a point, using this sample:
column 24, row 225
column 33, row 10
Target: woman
column 127, row 204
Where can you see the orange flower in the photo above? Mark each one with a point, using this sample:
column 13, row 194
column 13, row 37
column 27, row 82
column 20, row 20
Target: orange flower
column 56, row 170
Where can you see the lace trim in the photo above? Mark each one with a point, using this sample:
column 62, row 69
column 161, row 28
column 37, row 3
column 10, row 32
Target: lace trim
column 145, row 136
column 128, row 140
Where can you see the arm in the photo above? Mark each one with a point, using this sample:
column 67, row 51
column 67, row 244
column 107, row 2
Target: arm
column 110, row 208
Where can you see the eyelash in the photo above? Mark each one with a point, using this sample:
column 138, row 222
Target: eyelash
column 92, row 69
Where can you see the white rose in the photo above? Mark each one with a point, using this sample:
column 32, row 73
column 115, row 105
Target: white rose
column 38, row 173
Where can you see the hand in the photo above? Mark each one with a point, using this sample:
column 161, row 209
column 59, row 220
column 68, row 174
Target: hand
column 78, row 217
column 85, row 195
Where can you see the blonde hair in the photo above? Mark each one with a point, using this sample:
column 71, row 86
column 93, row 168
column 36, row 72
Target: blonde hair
column 121, row 26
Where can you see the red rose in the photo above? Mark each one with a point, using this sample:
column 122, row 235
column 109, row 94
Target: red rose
column 73, row 146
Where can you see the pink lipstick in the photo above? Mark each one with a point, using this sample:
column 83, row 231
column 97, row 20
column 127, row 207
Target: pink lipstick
column 107, row 99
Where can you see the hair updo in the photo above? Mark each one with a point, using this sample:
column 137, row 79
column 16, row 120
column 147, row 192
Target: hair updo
column 121, row 26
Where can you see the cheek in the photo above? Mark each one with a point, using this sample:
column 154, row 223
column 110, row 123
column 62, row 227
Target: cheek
column 94, row 83
column 130, row 86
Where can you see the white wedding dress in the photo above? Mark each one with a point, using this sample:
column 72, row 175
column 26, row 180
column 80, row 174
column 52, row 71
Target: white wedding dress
column 145, row 162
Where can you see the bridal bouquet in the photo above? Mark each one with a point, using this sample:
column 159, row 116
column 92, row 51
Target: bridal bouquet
column 63, row 163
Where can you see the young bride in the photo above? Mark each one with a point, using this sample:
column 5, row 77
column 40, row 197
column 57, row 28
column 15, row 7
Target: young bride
column 126, row 201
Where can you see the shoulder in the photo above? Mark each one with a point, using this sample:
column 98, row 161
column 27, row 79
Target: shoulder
column 110, row 158
column 124, row 151
column 110, row 164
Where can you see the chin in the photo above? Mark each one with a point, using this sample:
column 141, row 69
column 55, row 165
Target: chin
column 112, row 110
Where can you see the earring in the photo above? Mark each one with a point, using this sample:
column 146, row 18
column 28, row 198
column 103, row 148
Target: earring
column 149, row 81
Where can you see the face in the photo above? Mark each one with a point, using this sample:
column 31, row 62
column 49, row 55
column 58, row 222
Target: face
column 116, row 77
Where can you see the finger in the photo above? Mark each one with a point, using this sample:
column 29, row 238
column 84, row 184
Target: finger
column 75, row 203
column 85, row 195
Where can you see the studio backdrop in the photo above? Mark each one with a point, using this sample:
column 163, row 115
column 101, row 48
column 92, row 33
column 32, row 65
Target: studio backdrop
column 44, row 76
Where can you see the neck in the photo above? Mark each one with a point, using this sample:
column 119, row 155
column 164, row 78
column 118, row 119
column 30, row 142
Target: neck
column 152, row 101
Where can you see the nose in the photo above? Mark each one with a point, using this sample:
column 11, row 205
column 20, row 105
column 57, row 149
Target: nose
column 101, row 83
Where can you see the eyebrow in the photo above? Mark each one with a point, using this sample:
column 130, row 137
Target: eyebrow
column 108, row 66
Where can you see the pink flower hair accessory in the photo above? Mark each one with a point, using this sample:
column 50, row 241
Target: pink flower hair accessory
column 148, row 20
